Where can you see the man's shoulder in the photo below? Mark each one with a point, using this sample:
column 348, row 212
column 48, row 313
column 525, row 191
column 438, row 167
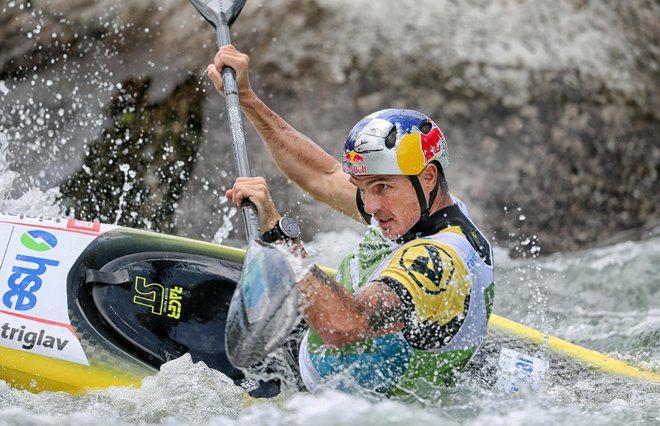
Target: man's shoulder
column 442, row 239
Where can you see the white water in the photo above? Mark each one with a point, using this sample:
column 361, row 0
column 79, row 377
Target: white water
column 605, row 299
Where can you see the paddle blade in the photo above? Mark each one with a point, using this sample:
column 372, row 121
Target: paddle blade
column 264, row 307
column 219, row 12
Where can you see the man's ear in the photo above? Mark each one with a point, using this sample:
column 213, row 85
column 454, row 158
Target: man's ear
column 429, row 176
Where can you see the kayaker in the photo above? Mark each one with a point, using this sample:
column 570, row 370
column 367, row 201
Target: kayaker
column 411, row 304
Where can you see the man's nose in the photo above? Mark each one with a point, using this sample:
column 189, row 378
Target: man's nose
column 371, row 203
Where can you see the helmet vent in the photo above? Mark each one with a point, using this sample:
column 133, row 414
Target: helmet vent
column 390, row 140
column 426, row 127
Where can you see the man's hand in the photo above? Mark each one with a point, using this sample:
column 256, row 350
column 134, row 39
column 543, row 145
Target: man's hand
column 256, row 190
column 229, row 56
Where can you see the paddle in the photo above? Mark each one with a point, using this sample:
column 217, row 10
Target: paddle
column 221, row 14
column 264, row 306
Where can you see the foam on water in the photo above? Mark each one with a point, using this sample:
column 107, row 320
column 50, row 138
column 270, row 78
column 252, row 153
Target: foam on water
column 182, row 392
column 329, row 248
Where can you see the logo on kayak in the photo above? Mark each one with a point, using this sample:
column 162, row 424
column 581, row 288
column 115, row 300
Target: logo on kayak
column 155, row 296
column 38, row 240
column 28, row 338
column 25, row 279
column 174, row 302
column 83, row 225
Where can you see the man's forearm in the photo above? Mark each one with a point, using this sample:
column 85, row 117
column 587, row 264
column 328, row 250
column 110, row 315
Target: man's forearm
column 330, row 310
column 342, row 318
column 294, row 153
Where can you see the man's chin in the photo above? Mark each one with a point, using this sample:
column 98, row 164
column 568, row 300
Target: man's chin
column 391, row 235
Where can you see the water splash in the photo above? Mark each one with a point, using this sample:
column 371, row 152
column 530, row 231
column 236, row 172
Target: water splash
column 126, row 187
column 33, row 202
column 228, row 212
column 183, row 391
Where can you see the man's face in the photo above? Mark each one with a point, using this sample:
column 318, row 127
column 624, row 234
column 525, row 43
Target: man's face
column 391, row 200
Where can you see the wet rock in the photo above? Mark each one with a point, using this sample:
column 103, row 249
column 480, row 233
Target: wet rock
column 135, row 173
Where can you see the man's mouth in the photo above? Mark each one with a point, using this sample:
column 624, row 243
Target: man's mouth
column 384, row 222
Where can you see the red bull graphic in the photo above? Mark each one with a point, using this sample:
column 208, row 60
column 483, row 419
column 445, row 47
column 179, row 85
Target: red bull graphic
column 355, row 170
column 354, row 163
column 430, row 143
column 353, row 157
column 416, row 150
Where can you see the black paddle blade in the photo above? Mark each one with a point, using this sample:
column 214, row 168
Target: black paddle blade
column 264, row 308
column 219, row 12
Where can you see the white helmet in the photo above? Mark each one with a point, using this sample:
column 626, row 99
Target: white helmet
column 394, row 142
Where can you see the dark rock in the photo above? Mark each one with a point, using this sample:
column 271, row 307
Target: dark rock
column 135, row 174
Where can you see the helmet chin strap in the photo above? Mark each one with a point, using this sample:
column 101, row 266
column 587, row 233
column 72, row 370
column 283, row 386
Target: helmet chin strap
column 425, row 208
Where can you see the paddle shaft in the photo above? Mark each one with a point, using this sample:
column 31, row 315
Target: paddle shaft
column 239, row 148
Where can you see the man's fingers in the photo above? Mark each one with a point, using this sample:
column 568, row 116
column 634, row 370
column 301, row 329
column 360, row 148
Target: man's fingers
column 216, row 78
column 230, row 195
column 252, row 188
column 255, row 189
column 228, row 56
column 237, row 195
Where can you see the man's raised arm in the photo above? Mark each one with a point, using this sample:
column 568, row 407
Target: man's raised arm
column 299, row 158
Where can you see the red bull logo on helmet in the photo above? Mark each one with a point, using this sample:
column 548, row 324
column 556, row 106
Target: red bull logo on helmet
column 353, row 157
column 354, row 163
column 355, row 170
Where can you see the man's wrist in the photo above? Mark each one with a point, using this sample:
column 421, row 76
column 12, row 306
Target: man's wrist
column 285, row 229
column 248, row 99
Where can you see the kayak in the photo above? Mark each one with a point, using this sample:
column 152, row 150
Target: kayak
column 85, row 306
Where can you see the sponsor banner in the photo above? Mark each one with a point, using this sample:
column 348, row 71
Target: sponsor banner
column 39, row 337
column 37, row 256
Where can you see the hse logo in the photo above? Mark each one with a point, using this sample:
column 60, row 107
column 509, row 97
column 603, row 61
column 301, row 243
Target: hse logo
column 25, row 278
column 38, row 240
